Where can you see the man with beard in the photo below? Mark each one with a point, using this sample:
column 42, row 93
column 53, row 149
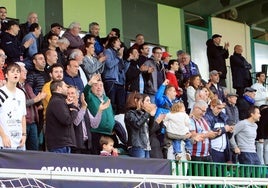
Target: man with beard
column 56, row 73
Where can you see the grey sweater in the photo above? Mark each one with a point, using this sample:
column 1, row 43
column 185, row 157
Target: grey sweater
column 244, row 136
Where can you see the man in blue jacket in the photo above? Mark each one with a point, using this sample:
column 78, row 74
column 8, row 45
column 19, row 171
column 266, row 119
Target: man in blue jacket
column 220, row 147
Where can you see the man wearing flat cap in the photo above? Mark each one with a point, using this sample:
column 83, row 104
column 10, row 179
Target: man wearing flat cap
column 245, row 102
column 216, row 55
column 231, row 109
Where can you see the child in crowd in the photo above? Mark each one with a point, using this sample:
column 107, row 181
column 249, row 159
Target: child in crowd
column 177, row 123
column 107, row 145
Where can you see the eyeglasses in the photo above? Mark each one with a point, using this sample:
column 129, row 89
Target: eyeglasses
column 204, row 111
column 3, row 56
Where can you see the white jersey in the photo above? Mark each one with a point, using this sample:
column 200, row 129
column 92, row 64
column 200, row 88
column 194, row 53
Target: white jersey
column 12, row 110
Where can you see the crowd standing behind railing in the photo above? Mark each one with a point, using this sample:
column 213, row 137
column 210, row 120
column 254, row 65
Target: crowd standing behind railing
column 75, row 88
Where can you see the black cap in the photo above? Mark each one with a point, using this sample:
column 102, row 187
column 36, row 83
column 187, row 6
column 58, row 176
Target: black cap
column 55, row 25
column 249, row 89
column 11, row 23
column 216, row 36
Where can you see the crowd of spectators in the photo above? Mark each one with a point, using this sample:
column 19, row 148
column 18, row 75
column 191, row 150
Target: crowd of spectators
column 76, row 87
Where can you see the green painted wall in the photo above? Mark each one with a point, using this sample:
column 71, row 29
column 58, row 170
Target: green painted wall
column 11, row 7
column 53, row 13
column 85, row 12
column 170, row 28
column 140, row 17
column 24, row 7
column 114, row 15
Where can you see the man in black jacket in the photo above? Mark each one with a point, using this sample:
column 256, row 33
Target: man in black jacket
column 216, row 56
column 59, row 132
column 241, row 75
column 11, row 44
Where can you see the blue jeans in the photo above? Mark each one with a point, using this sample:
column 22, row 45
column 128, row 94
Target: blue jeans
column 65, row 149
column 138, row 152
column 249, row 158
column 32, row 137
column 218, row 156
column 177, row 145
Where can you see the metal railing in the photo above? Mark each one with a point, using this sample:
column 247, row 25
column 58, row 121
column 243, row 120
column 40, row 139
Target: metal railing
column 219, row 170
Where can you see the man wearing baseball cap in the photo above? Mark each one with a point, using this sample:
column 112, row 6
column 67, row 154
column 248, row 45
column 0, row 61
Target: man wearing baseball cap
column 215, row 87
column 165, row 58
column 245, row 102
column 231, row 109
column 216, row 55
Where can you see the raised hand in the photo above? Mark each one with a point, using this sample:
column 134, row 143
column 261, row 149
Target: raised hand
column 83, row 101
column 102, row 58
column 40, row 96
column 226, row 45
column 150, row 108
column 120, row 52
column 166, row 82
column 160, row 118
column 105, row 105
column 28, row 43
column 94, row 79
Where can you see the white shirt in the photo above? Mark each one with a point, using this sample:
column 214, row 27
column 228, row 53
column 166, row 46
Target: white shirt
column 177, row 123
column 83, row 76
column 261, row 94
column 12, row 110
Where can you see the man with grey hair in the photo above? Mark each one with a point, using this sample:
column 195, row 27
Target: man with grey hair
column 94, row 29
column 32, row 106
column 63, row 44
column 77, row 55
column 72, row 34
column 199, row 127
column 25, row 28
